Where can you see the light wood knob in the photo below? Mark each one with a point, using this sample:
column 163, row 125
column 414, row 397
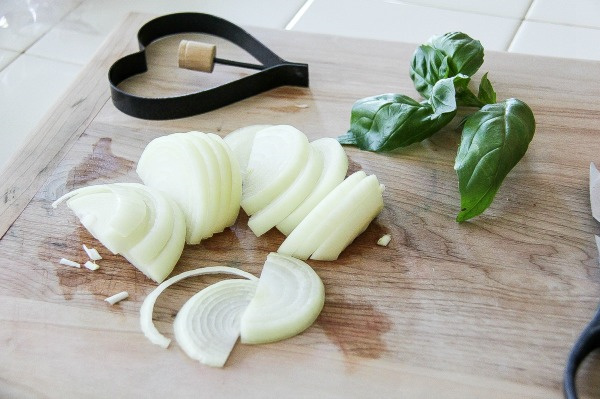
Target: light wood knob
column 197, row 56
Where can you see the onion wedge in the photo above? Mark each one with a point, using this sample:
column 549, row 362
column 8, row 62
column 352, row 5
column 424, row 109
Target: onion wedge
column 291, row 198
column 317, row 225
column 351, row 218
column 147, row 308
column 154, row 241
column 235, row 197
column 289, row 297
column 208, row 325
column 169, row 164
column 278, row 155
column 335, row 167
column 240, row 142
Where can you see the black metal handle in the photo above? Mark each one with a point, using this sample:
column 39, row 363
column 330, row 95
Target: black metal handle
column 588, row 341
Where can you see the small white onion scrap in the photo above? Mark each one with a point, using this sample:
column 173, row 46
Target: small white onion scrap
column 92, row 253
column 384, row 240
column 91, row 265
column 208, row 325
column 68, row 262
column 117, row 297
column 147, row 308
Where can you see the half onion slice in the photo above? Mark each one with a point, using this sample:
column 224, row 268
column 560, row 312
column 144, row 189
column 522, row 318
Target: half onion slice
column 289, row 297
column 147, row 308
column 208, row 325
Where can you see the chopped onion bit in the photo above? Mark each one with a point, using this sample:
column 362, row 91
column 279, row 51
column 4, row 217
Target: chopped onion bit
column 147, row 308
column 68, row 262
column 208, row 325
column 92, row 253
column 91, row 265
column 289, row 297
column 384, row 240
column 117, row 297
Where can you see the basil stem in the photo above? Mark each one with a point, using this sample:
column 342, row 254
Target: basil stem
column 390, row 121
column 493, row 141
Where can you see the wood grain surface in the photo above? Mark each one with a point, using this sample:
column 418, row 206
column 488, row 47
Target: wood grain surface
column 485, row 309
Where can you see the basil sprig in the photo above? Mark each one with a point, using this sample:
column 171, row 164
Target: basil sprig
column 494, row 138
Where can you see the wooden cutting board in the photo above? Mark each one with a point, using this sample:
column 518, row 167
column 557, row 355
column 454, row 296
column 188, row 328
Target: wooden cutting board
column 485, row 309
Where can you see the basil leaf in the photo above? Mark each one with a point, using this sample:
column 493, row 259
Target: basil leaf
column 494, row 139
column 465, row 55
column 486, row 94
column 427, row 67
column 389, row 121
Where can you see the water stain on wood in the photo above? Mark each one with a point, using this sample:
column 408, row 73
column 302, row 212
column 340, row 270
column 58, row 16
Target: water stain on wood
column 101, row 163
column 357, row 328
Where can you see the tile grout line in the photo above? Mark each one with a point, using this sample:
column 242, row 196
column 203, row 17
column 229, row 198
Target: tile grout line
column 24, row 51
column 512, row 41
column 290, row 25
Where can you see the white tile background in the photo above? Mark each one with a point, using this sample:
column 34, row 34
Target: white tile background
column 45, row 43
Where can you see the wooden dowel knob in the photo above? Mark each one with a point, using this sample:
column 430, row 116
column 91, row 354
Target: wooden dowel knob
column 197, row 56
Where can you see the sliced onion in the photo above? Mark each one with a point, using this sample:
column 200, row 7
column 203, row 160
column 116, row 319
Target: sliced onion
column 351, row 218
column 155, row 243
column 208, row 325
column 233, row 208
column 170, row 164
column 147, row 308
column 289, row 297
column 278, row 155
column 240, row 142
column 316, row 226
column 291, row 198
column 335, row 167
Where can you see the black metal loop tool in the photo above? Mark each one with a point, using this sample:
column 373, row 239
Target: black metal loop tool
column 273, row 71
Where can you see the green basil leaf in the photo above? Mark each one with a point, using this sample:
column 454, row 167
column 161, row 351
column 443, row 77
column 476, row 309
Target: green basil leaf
column 486, row 94
column 427, row 67
column 494, row 139
column 465, row 55
column 389, row 121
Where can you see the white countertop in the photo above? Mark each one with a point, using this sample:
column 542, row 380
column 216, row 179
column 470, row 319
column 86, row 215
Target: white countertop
column 44, row 44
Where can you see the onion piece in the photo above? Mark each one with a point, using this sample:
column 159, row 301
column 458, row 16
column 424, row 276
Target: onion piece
column 156, row 243
column 147, row 308
column 291, row 198
column 169, row 164
column 240, row 142
column 68, row 262
column 335, row 167
column 235, row 197
column 91, row 265
column 95, row 207
column 289, row 297
column 117, row 297
column 384, row 240
column 316, row 226
column 278, row 155
column 208, row 325
column 92, row 253
column 350, row 218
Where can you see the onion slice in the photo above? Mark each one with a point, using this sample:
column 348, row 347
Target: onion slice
column 147, row 308
column 291, row 198
column 278, row 155
column 240, row 142
column 208, row 325
column 289, row 297
column 335, row 167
